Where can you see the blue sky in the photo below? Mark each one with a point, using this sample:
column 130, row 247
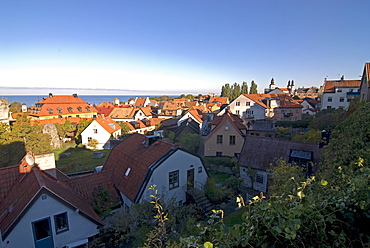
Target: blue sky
column 180, row 46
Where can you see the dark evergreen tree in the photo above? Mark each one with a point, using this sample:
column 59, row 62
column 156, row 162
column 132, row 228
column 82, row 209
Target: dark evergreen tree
column 253, row 89
column 244, row 89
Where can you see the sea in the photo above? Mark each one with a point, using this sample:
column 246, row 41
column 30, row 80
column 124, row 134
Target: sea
column 31, row 100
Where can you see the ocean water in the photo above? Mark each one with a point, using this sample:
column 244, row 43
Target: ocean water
column 30, row 100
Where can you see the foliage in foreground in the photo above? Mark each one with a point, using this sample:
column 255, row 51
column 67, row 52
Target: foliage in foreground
column 329, row 210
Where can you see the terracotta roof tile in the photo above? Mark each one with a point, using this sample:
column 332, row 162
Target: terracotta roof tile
column 122, row 113
column 219, row 99
column 134, row 154
column 27, row 186
column 61, row 105
column 331, row 85
column 108, row 124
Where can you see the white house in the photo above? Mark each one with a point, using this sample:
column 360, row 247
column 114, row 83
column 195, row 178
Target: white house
column 248, row 107
column 338, row 93
column 102, row 130
column 39, row 210
column 140, row 162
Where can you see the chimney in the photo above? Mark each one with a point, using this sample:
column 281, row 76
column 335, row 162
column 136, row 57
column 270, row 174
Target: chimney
column 74, row 95
column 27, row 163
column 50, row 94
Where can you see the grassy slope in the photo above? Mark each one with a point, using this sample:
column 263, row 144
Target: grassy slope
column 80, row 159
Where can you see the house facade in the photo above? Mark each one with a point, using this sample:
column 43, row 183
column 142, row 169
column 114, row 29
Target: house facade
column 365, row 84
column 226, row 137
column 41, row 210
column 139, row 162
column 338, row 93
column 264, row 106
column 248, row 107
column 102, row 130
column 259, row 154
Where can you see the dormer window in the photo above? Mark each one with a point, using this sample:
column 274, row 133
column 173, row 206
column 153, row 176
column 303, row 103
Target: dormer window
column 59, row 110
column 50, row 110
column 79, row 109
column 70, row 110
column 88, row 108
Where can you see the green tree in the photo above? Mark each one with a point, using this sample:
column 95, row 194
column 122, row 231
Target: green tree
column 191, row 142
column 244, row 89
column 80, row 127
column 235, row 91
column 253, row 88
column 15, row 107
column 327, row 119
column 93, row 143
column 125, row 129
column 226, row 91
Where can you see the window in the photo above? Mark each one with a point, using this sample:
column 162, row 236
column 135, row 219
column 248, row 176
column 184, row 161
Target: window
column 339, row 90
column 61, row 222
column 341, row 99
column 237, row 103
column 232, row 140
column 247, row 104
column 59, row 110
column 173, row 179
column 89, row 138
column 70, row 110
column 79, row 109
column 297, row 110
column 95, row 131
column 219, row 154
column 330, row 99
column 237, row 112
column 88, row 108
column 200, row 169
column 219, row 139
column 42, row 229
column 50, row 110
column 328, row 107
column 259, row 178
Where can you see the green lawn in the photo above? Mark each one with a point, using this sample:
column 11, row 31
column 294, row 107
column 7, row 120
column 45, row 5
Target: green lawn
column 80, row 159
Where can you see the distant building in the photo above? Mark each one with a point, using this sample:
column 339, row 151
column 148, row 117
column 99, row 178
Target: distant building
column 4, row 111
column 312, row 92
column 53, row 107
column 338, row 93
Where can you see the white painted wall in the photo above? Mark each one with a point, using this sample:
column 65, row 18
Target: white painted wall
column 248, row 181
column 245, row 111
column 181, row 161
column 102, row 135
column 79, row 227
column 335, row 103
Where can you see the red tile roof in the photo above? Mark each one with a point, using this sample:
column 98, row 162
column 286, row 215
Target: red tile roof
column 219, row 99
column 331, row 85
column 140, row 102
column 87, row 184
column 105, row 110
column 134, row 155
column 122, row 113
column 28, row 187
column 108, row 124
column 61, row 105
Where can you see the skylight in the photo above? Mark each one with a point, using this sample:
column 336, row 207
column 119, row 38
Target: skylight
column 127, row 171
